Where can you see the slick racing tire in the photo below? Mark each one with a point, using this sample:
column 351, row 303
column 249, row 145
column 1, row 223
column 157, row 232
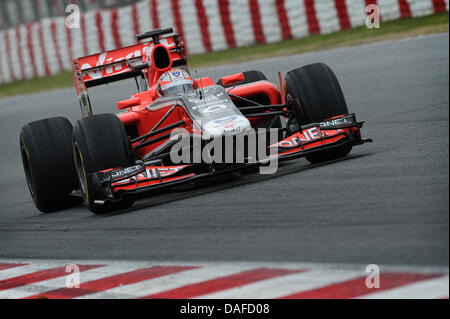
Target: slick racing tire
column 316, row 95
column 46, row 150
column 249, row 77
column 100, row 142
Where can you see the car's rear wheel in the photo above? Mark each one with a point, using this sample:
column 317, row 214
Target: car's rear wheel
column 46, row 150
column 100, row 142
column 316, row 95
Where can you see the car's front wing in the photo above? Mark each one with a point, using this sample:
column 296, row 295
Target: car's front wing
column 151, row 175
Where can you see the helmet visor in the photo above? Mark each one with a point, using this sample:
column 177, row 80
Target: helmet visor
column 177, row 89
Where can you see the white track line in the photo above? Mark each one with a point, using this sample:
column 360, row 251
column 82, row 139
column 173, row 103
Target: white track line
column 313, row 276
column 286, row 285
column 60, row 282
column 165, row 283
column 426, row 289
column 28, row 269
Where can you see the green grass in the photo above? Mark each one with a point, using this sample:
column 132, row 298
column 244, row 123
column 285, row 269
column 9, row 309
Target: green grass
column 389, row 30
column 62, row 80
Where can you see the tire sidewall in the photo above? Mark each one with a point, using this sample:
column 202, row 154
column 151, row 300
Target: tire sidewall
column 99, row 142
column 46, row 152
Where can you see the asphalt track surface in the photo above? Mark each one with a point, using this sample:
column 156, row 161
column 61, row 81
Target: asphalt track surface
column 387, row 203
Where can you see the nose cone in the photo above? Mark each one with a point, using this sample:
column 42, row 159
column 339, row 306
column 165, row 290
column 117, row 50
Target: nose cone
column 230, row 125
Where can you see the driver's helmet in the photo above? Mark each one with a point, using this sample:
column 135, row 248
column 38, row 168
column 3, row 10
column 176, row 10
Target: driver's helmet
column 175, row 82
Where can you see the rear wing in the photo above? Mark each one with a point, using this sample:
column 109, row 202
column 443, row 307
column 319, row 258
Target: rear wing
column 115, row 65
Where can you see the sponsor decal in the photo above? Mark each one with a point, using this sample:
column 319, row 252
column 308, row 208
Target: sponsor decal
column 226, row 120
column 176, row 74
column 232, row 130
column 211, row 108
column 164, row 172
column 117, row 68
column 125, row 171
column 150, row 172
column 310, row 134
column 119, row 57
column 336, row 122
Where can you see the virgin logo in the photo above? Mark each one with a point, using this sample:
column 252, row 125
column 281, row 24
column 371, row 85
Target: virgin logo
column 114, row 69
column 116, row 56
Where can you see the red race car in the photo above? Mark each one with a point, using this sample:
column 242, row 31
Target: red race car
column 109, row 160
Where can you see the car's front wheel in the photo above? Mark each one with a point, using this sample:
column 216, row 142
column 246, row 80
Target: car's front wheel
column 315, row 94
column 100, row 142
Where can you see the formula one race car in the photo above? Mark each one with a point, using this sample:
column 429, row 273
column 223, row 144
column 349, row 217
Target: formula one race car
column 109, row 160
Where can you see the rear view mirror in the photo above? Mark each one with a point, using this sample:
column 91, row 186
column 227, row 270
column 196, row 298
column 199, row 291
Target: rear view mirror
column 128, row 103
column 231, row 79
